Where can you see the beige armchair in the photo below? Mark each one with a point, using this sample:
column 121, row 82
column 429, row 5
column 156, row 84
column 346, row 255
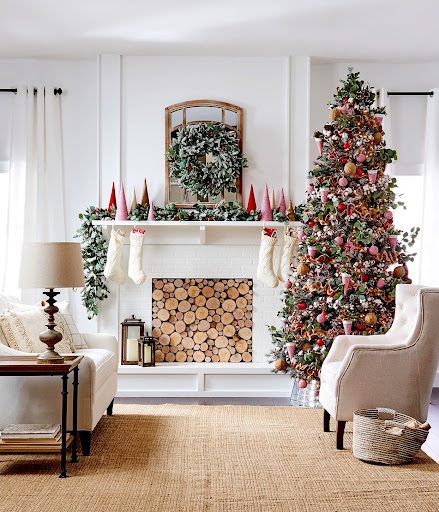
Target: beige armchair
column 394, row 370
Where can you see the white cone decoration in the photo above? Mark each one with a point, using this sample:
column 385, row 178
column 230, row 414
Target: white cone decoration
column 347, row 326
column 135, row 271
column 265, row 265
column 286, row 256
column 113, row 268
column 345, row 280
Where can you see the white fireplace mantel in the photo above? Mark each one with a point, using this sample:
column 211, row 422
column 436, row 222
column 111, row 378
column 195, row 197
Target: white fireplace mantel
column 198, row 232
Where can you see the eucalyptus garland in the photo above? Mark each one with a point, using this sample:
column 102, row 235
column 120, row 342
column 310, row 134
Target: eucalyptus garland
column 94, row 255
column 191, row 170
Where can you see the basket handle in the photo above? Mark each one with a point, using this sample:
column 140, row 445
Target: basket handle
column 386, row 414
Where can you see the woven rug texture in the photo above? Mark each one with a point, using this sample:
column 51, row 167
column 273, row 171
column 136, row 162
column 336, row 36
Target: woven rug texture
column 201, row 458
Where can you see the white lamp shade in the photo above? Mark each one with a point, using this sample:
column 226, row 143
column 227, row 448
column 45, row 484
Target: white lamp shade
column 51, row 265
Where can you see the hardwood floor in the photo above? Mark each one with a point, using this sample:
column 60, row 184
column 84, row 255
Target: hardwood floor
column 431, row 447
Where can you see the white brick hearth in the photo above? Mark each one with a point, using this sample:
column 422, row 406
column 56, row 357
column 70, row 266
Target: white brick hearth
column 178, row 252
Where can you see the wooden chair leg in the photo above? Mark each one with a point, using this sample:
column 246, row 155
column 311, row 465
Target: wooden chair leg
column 326, row 419
column 85, row 437
column 340, row 434
column 110, row 408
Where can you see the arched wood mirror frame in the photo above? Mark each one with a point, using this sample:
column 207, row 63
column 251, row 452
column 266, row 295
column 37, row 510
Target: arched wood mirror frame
column 226, row 113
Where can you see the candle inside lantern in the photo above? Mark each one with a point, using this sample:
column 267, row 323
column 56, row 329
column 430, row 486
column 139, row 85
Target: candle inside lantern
column 147, row 354
column 131, row 349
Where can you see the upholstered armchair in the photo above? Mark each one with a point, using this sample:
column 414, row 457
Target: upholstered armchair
column 38, row 399
column 394, row 370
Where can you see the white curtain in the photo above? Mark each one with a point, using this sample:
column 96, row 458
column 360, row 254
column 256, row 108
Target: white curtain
column 429, row 274
column 384, row 101
column 36, row 180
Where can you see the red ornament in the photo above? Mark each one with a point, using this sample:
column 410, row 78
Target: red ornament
column 361, row 326
column 301, row 305
column 325, row 314
column 346, row 145
column 364, row 278
column 341, row 207
column 112, row 203
column 345, row 99
column 320, row 342
column 251, row 204
column 343, row 160
column 311, row 223
column 359, row 172
column 189, row 167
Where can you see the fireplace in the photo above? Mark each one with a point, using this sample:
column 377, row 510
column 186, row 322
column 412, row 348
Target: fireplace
column 202, row 320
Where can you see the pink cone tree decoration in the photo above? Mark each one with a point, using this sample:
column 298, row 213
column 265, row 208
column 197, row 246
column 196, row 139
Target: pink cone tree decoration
column 266, row 211
column 122, row 209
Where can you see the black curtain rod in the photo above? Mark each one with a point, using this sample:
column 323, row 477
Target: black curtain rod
column 403, row 93
column 14, row 90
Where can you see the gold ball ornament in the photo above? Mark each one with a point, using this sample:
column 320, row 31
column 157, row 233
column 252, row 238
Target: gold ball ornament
column 333, row 114
column 371, row 319
column 306, row 346
column 302, row 269
column 350, row 169
column 280, row 365
column 399, row 272
column 377, row 137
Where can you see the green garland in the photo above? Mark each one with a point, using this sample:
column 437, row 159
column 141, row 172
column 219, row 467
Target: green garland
column 94, row 246
column 188, row 167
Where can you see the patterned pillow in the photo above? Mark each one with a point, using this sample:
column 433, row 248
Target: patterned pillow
column 78, row 340
column 21, row 330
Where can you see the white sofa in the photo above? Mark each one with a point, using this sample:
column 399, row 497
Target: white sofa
column 394, row 370
column 38, row 399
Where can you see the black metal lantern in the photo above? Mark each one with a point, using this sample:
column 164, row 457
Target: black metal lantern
column 133, row 329
column 146, row 354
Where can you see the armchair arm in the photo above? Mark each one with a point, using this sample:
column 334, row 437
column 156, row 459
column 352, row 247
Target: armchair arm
column 343, row 343
column 8, row 351
column 99, row 340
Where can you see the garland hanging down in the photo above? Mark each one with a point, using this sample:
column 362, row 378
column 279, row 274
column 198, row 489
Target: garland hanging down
column 206, row 176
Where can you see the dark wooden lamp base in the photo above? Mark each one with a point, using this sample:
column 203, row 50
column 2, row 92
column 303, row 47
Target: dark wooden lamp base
column 50, row 336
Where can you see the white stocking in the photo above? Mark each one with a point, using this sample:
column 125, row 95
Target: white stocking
column 286, row 255
column 113, row 268
column 135, row 271
column 265, row 265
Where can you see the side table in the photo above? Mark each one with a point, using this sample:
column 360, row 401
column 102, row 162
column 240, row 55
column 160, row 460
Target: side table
column 26, row 366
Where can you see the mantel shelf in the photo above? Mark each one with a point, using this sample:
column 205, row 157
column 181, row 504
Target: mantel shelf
column 197, row 232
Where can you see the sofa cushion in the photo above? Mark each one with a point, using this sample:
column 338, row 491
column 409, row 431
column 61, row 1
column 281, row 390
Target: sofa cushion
column 21, row 330
column 104, row 361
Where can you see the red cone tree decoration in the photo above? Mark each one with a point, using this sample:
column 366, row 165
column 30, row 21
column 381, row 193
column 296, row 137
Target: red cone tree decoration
column 112, row 203
column 251, row 203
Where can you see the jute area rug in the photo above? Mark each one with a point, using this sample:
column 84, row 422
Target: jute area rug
column 215, row 458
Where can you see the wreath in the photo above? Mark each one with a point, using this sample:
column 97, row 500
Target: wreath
column 188, row 165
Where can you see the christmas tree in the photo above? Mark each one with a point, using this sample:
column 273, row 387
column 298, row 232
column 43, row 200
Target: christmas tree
column 350, row 256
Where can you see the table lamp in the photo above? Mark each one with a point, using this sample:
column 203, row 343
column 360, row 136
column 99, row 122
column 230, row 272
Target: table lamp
column 51, row 265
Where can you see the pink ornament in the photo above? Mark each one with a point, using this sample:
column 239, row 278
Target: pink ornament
column 343, row 109
column 291, row 349
column 379, row 119
column 321, row 318
column 343, row 181
column 361, row 158
column 151, row 211
column 288, row 284
column 388, row 215
column 319, row 144
column 122, row 209
column 324, row 194
column 266, row 211
column 372, row 176
column 312, row 251
column 393, row 240
column 282, row 204
column 300, row 234
column 302, row 384
column 381, row 282
column 339, row 240
column 345, row 279
column 347, row 326
column 373, row 250
column 310, row 188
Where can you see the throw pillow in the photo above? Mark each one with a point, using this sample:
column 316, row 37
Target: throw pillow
column 78, row 340
column 21, row 330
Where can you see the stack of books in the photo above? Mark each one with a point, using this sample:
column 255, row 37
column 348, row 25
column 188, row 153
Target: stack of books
column 40, row 436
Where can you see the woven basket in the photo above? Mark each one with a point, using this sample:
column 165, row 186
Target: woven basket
column 381, row 436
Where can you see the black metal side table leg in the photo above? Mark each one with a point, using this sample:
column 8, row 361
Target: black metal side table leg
column 75, row 415
column 64, row 393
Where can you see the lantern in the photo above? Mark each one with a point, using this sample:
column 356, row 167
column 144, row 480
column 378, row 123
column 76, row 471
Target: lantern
column 146, row 351
column 132, row 330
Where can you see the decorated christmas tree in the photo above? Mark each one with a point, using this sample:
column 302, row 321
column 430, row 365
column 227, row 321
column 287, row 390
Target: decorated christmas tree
column 350, row 256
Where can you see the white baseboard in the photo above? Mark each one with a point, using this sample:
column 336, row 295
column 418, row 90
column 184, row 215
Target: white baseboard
column 203, row 380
